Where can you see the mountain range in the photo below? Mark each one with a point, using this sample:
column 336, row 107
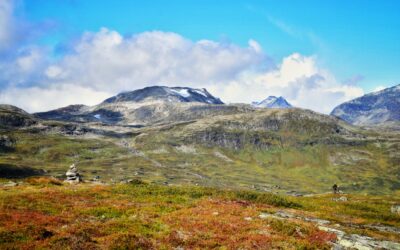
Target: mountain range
column 187, row 136
column 145, row 106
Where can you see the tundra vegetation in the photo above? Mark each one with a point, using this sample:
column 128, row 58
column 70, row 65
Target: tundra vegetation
column 45, row 213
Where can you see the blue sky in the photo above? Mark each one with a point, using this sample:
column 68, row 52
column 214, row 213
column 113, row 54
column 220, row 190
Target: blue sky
column 357, row 37
column 356, row 41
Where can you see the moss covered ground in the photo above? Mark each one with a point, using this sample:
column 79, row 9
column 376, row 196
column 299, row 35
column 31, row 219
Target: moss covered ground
column 44, row 213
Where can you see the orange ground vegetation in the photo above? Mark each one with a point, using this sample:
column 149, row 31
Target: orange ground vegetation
column 50, row 215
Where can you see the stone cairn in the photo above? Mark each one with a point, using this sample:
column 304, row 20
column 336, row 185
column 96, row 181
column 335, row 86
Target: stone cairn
column 73, row 175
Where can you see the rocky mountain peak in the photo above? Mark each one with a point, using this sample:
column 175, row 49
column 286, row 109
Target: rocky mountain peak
column 375, row 108
column 273, row 102
column 163, row 93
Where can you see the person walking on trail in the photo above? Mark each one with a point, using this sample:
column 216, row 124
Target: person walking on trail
column 335, row 188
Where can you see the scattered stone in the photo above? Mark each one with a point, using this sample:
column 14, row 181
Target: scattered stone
column 341, row 198
column 267, row 215
column 7, row 143
column 264, row 216
column 96, row 178
column 299, row 232
column 294, row 193
column 182, row 235
column 384, row 228
column 222, row 156
column 248, row 218
column 159, row 151
column 317, row 221
column 395, row 209
column 355, row 241
column 10, row 184
column 215, row 213
column 186, row 149
column 284, row 214
column 73, row 175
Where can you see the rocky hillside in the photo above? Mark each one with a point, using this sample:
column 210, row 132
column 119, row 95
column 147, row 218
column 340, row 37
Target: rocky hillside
column 377, row 108
column 170, row 94
column 146, row 106
column 273, row 102
column 230, row 146
column 11, row 117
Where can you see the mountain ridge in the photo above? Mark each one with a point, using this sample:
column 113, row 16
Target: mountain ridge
column 141, row 107
column 272, row 102
column 179, row 94
column 373, row 109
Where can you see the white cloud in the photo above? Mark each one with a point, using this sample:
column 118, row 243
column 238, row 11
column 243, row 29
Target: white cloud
column 35, row 99
column 298, row 78
column 104, row 63
column 107, row 61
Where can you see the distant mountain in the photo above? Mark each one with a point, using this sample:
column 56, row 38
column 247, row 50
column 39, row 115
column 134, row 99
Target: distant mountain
column 171, row 94
column 11, row 116
column 150, row 105
column 273, row 102
column 377, row 108
column 64, row 113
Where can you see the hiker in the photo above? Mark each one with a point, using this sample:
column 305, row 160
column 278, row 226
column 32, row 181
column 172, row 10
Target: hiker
column 335, row 189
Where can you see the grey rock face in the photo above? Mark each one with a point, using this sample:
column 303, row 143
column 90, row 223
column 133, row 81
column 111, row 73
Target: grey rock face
column 7, row 143
column 272, row 102
column 144, row 106
column 375, row 108
column 178, row 94
column 73, row 175
column 13, row 117
column 70, row 113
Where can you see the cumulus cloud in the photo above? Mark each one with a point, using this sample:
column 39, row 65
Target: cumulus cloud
column 108, row 61
column 51, row 97
column 298, row 78
column 101, row 64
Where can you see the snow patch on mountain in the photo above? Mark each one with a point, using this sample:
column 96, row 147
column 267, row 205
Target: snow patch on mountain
column 272, row 102
column 182, row 92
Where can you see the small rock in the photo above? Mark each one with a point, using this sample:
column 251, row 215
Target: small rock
column 284, row 214
column 294, row 193
column 395, row 209
column 264, row 216
column 10, row 184
column 215, row 213
column 248, row 218
column 341, row 198
column 267, row 215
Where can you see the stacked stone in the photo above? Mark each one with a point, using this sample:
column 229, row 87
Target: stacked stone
column 73, row 175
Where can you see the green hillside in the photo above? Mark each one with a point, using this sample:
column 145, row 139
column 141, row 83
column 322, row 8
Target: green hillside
column 267, row 150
